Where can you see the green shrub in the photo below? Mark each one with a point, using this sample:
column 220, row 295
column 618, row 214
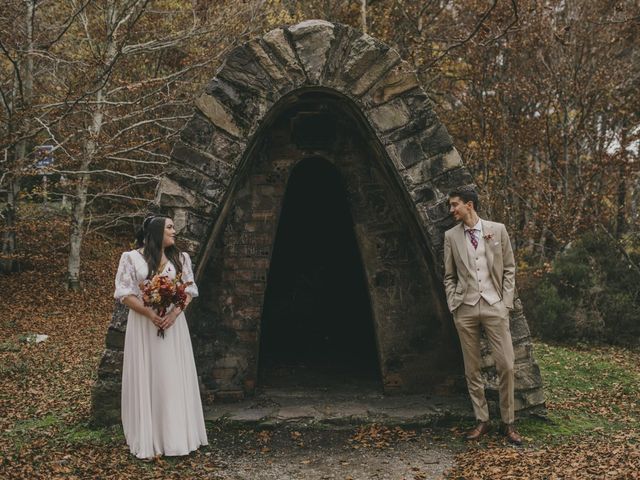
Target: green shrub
column 591, row 293
column 550, row 312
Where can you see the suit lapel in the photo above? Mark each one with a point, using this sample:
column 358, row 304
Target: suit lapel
column 488, row 231
column 462, row 246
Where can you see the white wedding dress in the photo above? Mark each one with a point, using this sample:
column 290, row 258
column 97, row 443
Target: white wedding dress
column 161, row 407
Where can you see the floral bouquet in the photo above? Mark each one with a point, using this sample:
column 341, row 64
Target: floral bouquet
column 161, row 292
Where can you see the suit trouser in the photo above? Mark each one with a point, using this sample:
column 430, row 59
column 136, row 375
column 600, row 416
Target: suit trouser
column 495, row 320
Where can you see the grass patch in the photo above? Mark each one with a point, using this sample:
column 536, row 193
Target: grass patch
column 9, row 347
column 13, row 368
column 24, row 427
column 568, row 372
column 84, row 434
column 588, row 393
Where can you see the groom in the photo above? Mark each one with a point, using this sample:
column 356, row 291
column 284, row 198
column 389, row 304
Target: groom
column 479, row 282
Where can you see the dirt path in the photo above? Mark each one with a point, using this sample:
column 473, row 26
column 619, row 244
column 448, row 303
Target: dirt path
column 364, row 454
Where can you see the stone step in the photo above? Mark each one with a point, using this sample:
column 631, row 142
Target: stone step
column 334, row 410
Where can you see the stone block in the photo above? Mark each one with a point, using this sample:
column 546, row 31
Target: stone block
column 280, row 47
column 216, row 171
column 523, row 351
column 392, row 152
column 111, row 364
column 225, row 147
column 400, row 79
column 337, row 57
column 519, row 327
column 439, row 210
column 436, row 140
column 410, row 151
column 115, row 339
column 425, row 194
column 119, row 317
column 392, row 382
column 381, row 66
column 242, row 68
column 527, row 376
column 488, row 361
column 417, row 175
column 423, row 121
column 196, row 226
column 193, row 247
column 451, row 179
column 312, row 40
column 365, row 50
column 217, row 113
column 529, row 398
column 198, row 131
column 170, row 193
column 180, row 220
column 444, row 162
column 210, row 189
column 230, row 95
column 105, row 403
column 268, row 65
column 389, row 116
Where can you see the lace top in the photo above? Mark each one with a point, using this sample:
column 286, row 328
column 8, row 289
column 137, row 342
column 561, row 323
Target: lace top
column 133, row 269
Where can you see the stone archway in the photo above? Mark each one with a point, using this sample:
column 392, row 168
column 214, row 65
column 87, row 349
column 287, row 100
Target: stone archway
column 276, row 100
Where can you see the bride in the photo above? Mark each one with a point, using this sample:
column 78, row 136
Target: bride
column 161, row 408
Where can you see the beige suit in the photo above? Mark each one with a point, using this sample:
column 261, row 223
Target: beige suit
column 473, row 305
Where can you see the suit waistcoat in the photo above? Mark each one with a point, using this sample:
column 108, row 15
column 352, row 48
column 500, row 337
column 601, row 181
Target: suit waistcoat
column 482, row 284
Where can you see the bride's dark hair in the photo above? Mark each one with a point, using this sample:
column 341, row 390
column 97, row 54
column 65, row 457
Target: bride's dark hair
column 150, row 237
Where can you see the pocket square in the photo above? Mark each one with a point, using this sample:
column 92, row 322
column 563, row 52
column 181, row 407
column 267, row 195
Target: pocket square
column 496, row 244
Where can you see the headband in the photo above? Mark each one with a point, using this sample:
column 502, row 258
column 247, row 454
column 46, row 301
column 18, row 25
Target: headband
column 149, row 219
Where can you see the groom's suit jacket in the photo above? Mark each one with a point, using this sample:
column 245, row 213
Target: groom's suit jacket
column 459, row 275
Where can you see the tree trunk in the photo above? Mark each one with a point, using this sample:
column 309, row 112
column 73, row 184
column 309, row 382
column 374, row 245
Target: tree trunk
column 77, row 226
column 23, row 91
column 90, row 151
column 80, row 201
column 621, row 221
column 8, row 263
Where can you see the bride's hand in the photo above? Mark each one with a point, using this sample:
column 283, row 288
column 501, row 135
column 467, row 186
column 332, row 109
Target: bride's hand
column 154, row 317
column 169, row 319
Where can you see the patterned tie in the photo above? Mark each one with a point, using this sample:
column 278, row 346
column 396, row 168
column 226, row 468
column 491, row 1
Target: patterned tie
column 472, row 237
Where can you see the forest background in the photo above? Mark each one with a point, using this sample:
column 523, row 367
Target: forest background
column 539, row 96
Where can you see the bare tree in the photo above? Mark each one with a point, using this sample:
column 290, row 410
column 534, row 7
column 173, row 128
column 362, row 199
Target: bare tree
column 120, row 76
column 138, row 94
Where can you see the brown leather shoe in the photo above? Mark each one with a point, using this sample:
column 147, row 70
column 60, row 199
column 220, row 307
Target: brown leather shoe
column 481, row 429
column 512, row 434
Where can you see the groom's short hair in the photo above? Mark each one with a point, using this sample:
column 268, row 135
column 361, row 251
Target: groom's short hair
column 466, row 194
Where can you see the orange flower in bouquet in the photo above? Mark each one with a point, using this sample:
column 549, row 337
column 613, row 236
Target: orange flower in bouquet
column 161, row 292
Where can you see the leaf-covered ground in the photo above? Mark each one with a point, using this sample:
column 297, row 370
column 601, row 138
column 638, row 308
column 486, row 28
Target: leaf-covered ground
column 592, row 430
column 593, row 424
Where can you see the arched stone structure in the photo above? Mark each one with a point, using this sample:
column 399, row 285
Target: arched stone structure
column 317, row 90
